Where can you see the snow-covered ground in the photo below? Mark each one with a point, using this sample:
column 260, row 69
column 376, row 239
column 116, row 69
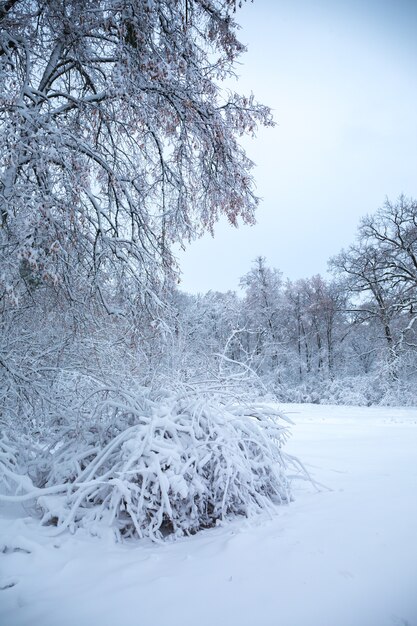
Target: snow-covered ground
column 342, row 556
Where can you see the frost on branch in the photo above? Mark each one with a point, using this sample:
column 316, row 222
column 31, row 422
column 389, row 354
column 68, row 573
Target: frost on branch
column 116, row 140
column 186, row 462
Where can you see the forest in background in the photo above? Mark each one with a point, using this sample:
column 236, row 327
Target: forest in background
column 351, row 339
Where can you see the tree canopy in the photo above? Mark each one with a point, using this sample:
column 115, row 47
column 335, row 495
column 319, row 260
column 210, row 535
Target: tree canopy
column 117, row 138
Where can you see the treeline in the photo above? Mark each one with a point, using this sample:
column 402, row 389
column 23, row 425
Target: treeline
column 348, row 339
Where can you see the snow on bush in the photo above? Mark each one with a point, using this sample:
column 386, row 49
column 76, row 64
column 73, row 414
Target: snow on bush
column 186, row 461
column 375, row 388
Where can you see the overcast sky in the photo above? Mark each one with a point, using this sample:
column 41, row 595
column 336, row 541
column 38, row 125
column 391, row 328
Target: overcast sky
column 341, row 78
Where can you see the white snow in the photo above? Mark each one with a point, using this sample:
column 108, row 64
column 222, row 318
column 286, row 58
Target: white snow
column 343, row 556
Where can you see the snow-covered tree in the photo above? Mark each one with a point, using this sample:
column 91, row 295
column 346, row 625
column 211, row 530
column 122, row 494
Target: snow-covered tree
column 381, row 269
column 314, row 318
column 116, row 139
column 263, row 289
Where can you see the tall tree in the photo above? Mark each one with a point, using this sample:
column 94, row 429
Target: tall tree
column 313, row 315
column 263, row 287
column 393, row 230
column 116, row 138
column 381, row 268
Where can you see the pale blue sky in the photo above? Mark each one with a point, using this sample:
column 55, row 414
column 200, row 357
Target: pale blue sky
column 341, row 77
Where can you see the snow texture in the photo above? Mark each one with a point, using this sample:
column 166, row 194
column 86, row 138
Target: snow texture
column 342, row 556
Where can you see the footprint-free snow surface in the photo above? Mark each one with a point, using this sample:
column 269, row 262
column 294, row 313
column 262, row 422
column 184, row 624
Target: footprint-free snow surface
column 342, row 556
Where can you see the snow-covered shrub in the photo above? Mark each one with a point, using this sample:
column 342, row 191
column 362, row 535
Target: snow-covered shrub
column 374, row 388
column 350, row 390
column 8, row 461
column 303, row 393
column 186, row 461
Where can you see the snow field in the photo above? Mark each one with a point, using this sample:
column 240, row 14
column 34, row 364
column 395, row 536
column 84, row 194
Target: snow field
column 342, row 556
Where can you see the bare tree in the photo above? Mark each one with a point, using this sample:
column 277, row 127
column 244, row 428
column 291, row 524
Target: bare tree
column 381, row 269
column 313, row 314
column 393, row 230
